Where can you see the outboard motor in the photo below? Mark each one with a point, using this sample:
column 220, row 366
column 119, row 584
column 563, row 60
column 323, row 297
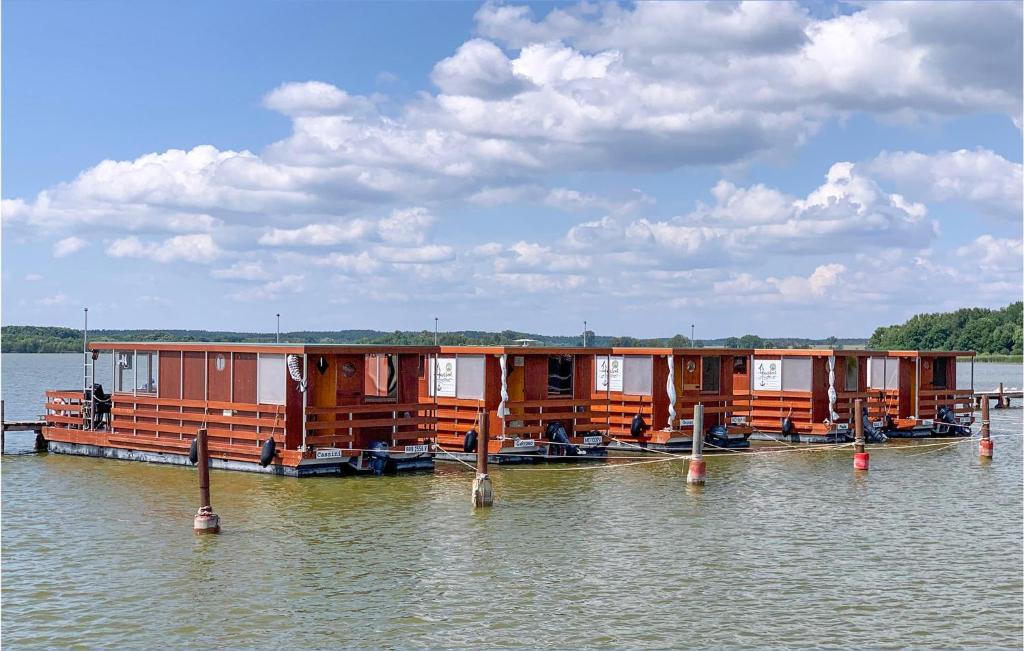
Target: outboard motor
column 889, row 424
column 267, row 453
column 378, row 457
column 556, row 434
column 101, row 416
column 469, row 443
column 947, row 416
column 718, row 436
column 871, row 433
column 637, row 427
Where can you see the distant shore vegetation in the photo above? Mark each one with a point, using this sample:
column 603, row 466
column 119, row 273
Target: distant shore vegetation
column 995, row 334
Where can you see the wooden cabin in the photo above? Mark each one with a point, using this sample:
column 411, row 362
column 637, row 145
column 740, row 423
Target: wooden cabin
column 288, row 409
column 528, row 392
column 908, row 389
column 789, row 393
column 662, row 386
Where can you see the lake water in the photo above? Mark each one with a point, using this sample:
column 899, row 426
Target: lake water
column 784, row 550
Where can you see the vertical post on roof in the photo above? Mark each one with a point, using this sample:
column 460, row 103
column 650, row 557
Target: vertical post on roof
column 860, row 456
column 206, row 521
column 277, row 337
column 697, row 470
column 435, row 330
column 584, row 333
column 483, row 493
column 985, row 446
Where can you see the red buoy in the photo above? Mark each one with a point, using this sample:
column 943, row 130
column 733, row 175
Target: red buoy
column 696, row 472
column 860, row 455
column 860, row 460
column 985, row 445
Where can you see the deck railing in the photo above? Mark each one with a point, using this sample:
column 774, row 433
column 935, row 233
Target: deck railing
column 531, row 417
column 339, row 426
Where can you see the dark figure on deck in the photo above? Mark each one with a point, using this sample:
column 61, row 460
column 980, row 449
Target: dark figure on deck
column 101, row 417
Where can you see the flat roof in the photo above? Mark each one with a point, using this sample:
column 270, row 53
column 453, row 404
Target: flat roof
column 257, row 347
column 815, row 352
column 929, row 353
column 527, row 350
column 627, row 350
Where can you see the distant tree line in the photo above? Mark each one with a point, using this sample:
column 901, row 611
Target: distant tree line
column 997, row 332
column 45, row 339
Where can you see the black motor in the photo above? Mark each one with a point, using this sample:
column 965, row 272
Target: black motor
column 872, row 434
column 101, row 416
column 637, row 427
column 378, row 457
column 947, row 417
column 556, row 434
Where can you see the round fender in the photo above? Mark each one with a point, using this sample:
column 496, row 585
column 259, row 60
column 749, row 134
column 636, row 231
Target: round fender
column 787, row 425
column 638, row 426
column 469, row 443
column 193, row 452
column 267, row 453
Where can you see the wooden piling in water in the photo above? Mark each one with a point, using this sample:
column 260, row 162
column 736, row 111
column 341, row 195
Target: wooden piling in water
column 985, row 445
column 999, row 399
column 861, row 458
column 206, row 521
column 696, row 472
column 3, row 428
column 483, row 493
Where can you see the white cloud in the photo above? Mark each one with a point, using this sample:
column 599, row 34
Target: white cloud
column 409, row 226
column 318, row 234
column 288, row 284
column 980, row 177
column 59, row 298
column 198, row 247
column 67, row 246
column 242, row 270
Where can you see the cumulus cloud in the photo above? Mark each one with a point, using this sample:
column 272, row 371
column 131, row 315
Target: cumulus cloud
column 980, row 177
column 67, row 246
column 198, row 247
column 288, row 284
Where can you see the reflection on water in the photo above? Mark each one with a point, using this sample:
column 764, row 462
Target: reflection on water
column 791, row 550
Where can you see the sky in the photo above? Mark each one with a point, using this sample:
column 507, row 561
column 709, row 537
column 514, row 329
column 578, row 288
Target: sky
column 781, row 169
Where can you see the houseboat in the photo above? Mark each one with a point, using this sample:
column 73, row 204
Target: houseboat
column 806, row 395
column 288, row 409
column 652, row 393
column 915, row 393
column 539, row 402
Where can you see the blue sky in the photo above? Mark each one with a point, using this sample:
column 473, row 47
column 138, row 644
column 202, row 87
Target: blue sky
column 780, row 169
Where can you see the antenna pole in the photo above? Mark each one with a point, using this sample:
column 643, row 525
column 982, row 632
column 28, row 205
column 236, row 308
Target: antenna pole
column 435, row 330
column 85, row 350
column 278, row 338
column 584, row 333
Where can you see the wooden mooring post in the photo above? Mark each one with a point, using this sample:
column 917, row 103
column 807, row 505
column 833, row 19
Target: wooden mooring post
column 985, row 445
column 696, row 472
column 861, row 457
column 483, row 493
column 206, row 521
column 1000, row 399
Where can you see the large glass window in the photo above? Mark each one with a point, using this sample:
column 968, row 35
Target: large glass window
column 796, row 373
column 148, row 366
column 939, row 368
column 469, row 376
column 711, row 375
column 272, row 373
column 637, row 374
column 852, row 374
column 560, row 376
column 124, row 371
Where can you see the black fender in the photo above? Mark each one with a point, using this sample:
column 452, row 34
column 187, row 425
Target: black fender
column 469, row 443
column 787, row 425
column 267, row 453
column 637, row 427
column 193, row 452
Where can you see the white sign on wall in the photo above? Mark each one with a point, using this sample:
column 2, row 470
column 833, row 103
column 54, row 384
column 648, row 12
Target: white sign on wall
column 442, row 373
column 767, row 375
column 608, row 373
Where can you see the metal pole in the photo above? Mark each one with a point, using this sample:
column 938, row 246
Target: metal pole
column 692, row 343
column 483, row 493
column 584, row 334
column 860, row 456
column 206, row 521
column 697, row 470
column 278, row 338
column 435, row 330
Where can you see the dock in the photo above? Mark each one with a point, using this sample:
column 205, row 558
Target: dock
column 18, row 426
column 1001, row 395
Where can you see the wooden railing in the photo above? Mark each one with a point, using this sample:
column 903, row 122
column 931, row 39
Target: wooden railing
column 620, row 408
column 575, row 414
column 64, row 409
column 931, row 399
column 340, row 426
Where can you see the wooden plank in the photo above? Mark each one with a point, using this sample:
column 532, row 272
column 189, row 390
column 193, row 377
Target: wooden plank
column 377, row 422
column 371, row 408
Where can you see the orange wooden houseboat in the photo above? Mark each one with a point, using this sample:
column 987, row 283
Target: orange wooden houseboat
column 539, row 401
column 652, row 393
column 805, row 395
column 915, row 393
column 288, row 409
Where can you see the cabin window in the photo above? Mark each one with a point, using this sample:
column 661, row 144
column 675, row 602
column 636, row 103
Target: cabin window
column 443, row 377
column 739, row 365
column 560, row 376
column 939, row 366
column 272, row 374
column 637, row 372
column 124, row 371
column 796, row 373
column 469, row 376
column 711, row 374
column 381, row 376
column 852, row 374
column 883, row 373
column 148, row 366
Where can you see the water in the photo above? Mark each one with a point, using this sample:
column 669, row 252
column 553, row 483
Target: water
column 785, row 551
